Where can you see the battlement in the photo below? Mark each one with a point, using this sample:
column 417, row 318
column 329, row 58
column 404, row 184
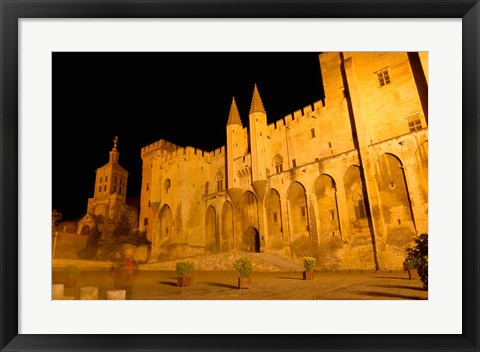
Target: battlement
column 160, row 144
column 191, row 153
column 297, row 116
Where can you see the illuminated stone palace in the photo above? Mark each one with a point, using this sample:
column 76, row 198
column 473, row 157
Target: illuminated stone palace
column 344, row 179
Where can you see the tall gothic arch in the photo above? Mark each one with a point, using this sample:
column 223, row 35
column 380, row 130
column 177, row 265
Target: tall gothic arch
column 165, row 233
column 249, row 221
column 394, row 201
column 301, row 242
column 211, row 238
column 273, row 209
column 227, row 239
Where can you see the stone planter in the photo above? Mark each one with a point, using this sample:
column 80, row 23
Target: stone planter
column 89, row 293
column 308, row 275
column 184, row 281
column 244, row 282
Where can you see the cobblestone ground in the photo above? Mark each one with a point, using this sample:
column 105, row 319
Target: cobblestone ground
column 222, row 285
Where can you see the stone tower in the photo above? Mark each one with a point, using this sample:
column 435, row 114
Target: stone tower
column 258, row 135
column 109, row 197
column 235, row 145
column 110, row 181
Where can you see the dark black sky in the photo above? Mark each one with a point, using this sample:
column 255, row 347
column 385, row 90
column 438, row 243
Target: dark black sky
column 143, row 97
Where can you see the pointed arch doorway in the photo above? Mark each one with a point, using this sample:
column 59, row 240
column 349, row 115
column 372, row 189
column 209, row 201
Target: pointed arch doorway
column 251, row 240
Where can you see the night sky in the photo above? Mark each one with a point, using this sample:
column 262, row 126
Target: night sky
column 183, row 98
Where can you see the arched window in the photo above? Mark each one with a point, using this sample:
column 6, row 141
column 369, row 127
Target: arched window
column 219, row 179
column 167, row 185
column 278, row 163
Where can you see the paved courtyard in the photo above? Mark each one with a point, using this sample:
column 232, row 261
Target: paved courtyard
column 222, row 285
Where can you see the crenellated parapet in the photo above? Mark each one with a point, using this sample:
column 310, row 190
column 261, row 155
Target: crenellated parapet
column 310, row 111
column 168, row 152
column 161, row 146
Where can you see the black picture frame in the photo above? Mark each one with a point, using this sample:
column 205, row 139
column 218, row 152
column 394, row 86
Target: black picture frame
column 11, row 11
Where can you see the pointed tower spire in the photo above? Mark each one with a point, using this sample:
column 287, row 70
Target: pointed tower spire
column 234, row 115
column 114, row 154
column 257, row 105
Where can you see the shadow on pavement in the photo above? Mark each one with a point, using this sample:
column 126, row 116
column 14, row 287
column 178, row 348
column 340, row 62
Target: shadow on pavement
column 289, row 278
column 391, row 295
column 392, row 277
column 218, row 284
column 168, row 283
column 403, row 287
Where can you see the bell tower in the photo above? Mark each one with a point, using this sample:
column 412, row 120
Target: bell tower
column 111, row 179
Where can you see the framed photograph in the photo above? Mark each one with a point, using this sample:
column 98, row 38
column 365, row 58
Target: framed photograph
column 89, row 86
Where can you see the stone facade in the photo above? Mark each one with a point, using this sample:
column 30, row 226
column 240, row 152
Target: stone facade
column 344, row 179
column 108, row 203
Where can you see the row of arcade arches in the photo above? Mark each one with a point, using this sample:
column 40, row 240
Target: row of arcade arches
column 219, row 228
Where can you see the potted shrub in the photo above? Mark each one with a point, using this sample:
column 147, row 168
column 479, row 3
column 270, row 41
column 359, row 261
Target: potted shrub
column 411, row 265
column 417, row 259
column 70, row 275
column 184, row 273
column 243, row 266
column 309, row 265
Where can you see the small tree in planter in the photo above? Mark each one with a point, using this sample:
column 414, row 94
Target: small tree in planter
column 184, row 273
column 417, row 259
column 309, row 265
column 70, row 275
column 411, row 264
column 243, row 266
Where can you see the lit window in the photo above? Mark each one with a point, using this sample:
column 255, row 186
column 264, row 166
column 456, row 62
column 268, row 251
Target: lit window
column 383, row 77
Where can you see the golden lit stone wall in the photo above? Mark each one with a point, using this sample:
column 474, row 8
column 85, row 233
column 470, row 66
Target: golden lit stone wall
column 178, row 196
column 344, row 179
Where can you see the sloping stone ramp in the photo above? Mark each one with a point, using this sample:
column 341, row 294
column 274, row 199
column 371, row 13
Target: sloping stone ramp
column 262, row 262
